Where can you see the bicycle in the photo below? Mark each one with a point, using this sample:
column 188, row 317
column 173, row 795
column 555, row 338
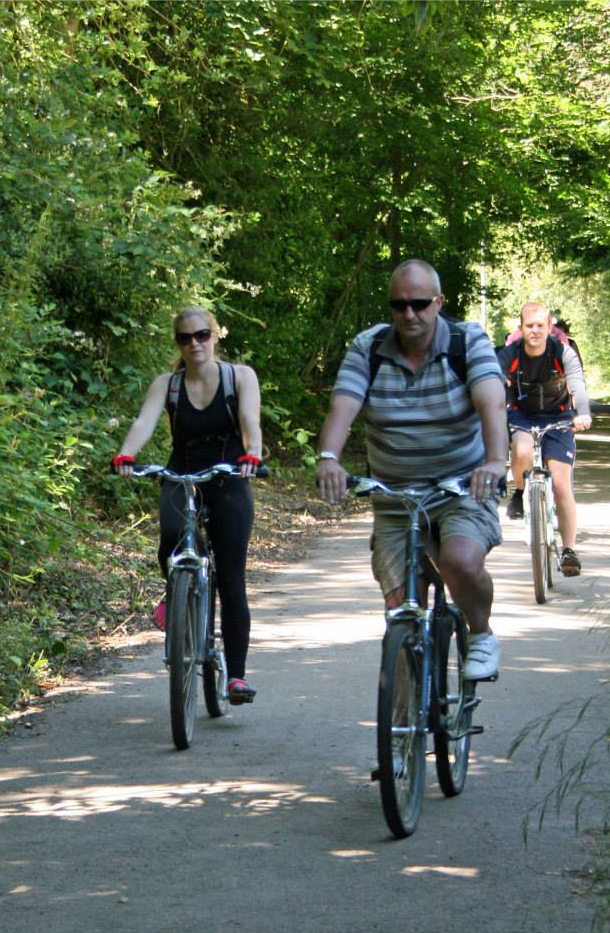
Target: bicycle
column 422, row 688
column 190, row 637
column 540, row 514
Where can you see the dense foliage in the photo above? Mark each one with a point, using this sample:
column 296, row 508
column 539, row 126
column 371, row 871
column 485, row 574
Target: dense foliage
column 274, row 160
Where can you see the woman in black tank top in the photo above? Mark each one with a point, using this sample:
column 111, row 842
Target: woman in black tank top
column 205, row 433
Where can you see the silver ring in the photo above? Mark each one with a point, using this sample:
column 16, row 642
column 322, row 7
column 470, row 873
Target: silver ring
column 487, row 481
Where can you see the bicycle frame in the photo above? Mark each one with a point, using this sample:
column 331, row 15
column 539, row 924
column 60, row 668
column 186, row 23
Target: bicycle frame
column 541, row 475
column 188, row 558
column 422, row 618
column 424, row 648
column 191, row 599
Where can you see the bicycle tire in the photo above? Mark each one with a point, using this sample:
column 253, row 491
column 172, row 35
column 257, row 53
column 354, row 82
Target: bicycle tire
column 549, row 566
column 215, row 680
column 402, row 762
column 538, row 541
column 182, row 622
column 452, row 694
column 550, row 545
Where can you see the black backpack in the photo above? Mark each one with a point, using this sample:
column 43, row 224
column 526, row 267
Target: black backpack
column 456, row 355
column 227, row 375
column 508, row 356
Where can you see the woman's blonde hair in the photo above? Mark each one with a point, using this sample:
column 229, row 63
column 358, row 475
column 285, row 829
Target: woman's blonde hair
column 192, row 311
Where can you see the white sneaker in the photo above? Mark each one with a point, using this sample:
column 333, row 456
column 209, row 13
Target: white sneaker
column 483, row 657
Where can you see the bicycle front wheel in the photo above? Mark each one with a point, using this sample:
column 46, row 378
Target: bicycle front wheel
column 551, row 545
column 549, row 565
column 182, row 623
column 452, row 740
column 540, row 561
column 215, row 680
column 401, row 744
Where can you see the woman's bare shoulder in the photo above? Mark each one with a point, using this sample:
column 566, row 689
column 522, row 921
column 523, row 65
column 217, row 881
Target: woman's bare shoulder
column 162, row 379
column 160, row 384
column 244, row 371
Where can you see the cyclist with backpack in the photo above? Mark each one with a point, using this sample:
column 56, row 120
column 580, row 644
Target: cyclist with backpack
column 431, row 394
column 545, row 383
column 214, row 410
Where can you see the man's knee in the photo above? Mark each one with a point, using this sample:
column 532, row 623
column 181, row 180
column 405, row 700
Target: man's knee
column 562, row 480
column 562, row 487
column 394, row 598
column 521, row 445
column 461, row 559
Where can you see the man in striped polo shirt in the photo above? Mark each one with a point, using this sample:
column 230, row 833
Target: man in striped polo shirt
column 423, row 420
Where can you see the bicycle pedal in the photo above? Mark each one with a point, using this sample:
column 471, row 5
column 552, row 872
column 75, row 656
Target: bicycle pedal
column 484, row 680
column 375, row 774
column 476, row 730
column 239, row 700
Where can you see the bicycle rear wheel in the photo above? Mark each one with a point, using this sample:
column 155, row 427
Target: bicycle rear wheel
column 215, row 680
column 182, row 623
column 455, row 720
column 540, row 560
column 401, row 745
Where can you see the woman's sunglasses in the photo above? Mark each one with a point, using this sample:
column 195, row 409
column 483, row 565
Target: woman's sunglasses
column 200, row 336
column 416, row 304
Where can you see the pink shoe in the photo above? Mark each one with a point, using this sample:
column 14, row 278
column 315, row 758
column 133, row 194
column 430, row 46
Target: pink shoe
column 159, row 615
column 240, row 692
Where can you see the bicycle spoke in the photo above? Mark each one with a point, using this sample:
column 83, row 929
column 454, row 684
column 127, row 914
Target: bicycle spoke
column 181, row 618
column 400, row 742
column 538, row 541
column 215, row 679
column 452, row 740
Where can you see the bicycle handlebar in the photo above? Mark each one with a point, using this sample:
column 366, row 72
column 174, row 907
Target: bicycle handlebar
column 203, row 476
column 452, row 486
column 365, row 485
column 537, row 431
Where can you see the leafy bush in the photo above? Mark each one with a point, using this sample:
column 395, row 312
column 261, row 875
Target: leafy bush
column 97, row 248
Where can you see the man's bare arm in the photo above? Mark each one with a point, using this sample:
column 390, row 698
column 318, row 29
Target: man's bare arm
column 489, row 400
column 335, row 431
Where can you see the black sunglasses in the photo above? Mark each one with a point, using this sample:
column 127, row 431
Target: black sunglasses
column 416, row 304
column 201, row 336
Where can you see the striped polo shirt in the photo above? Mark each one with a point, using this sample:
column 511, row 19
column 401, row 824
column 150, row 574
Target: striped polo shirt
column 419, row 425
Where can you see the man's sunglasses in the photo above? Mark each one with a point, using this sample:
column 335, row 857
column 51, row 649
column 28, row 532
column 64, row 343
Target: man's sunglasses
column 201, row 336
column 416, row 304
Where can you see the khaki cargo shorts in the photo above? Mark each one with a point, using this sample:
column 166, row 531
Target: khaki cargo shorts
column 462, row 517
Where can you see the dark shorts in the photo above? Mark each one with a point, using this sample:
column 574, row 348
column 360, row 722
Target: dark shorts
column 556, row 445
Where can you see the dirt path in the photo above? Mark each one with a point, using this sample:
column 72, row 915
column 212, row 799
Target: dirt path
column 270, row 820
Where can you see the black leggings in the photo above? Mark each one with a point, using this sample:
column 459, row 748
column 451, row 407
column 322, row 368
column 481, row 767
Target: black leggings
column 231, row 512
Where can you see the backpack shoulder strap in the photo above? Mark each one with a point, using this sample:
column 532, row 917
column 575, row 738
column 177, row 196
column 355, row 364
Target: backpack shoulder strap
column 456, row 355
column 171, row 399
column 374, row 358
column 508, row 357
column 557, row 346
column 229, row 388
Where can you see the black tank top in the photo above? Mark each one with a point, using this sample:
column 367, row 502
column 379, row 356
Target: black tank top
column 203, row 437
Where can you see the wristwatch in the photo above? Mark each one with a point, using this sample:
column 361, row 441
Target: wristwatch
column 327, row 455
